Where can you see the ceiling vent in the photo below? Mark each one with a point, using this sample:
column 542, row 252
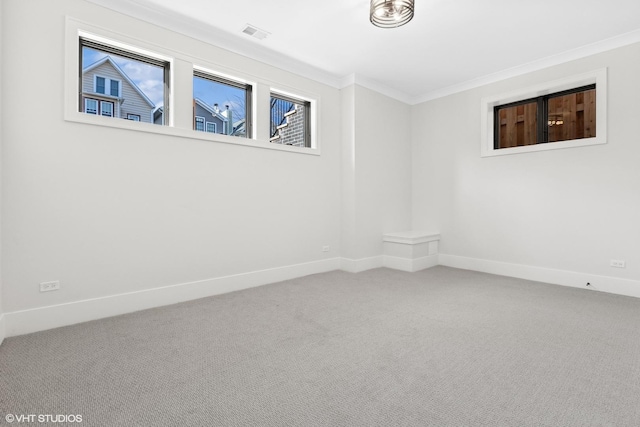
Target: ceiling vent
column 255, row 32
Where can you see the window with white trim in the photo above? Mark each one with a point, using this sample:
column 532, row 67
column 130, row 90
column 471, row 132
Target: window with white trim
column 124, row 84
column 90, row 106
column 106, row 108
column 563, row 113
column 99, row 107
column 102, row 83
column 199, row 124
column 87, row 44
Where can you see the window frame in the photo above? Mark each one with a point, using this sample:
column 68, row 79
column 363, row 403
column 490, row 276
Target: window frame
column 488, row 104
column 308, row 140
column 542, row 115
column 107, row 84
column 136, row 119
column 196, row 120
column 206, row 127
column 178, row 115
column 229, row 81
column 96, row 109
column 133, row 54
column 113, row 108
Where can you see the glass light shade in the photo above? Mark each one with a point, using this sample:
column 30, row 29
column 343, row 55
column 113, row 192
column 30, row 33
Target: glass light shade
column 391, row 13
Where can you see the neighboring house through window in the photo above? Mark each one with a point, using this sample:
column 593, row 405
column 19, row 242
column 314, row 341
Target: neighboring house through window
column 235, row 96
column 107, row 90
column 210, row 118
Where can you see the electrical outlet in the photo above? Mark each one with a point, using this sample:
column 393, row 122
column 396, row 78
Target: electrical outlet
column 325, row 248
column 618, row 263
column 50, row 286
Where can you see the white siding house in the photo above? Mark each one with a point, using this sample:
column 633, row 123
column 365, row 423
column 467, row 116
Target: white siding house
column 108, row 91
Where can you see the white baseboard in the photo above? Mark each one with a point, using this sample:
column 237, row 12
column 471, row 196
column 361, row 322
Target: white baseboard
column 410, row 265
column 574, row 279
column 358, row 265
column 42, row 318
column 2, row 330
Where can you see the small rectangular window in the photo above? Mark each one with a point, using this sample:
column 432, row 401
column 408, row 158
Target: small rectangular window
column 115, row 88
column 199, row 125
column 90, row 106
column 224, row 104
column 106, row 108
column 290, row 124
column 560, row 116
column 111, row 76
column 100, row 84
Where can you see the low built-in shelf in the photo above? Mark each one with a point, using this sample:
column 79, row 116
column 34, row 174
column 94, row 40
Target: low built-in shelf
column 410, row 250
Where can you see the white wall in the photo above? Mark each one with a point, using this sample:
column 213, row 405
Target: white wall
column 568, row 210
column 109, row 211
column 376, row 170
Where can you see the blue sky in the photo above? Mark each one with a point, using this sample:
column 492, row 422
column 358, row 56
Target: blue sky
column 217, row 93
column 149, row 79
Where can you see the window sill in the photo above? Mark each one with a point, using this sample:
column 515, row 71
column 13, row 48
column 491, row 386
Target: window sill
column 545, row 147
column 132, row 125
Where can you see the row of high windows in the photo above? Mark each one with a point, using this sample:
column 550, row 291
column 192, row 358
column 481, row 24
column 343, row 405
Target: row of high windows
column 123, row 84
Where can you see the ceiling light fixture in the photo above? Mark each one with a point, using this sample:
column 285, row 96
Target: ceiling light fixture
column 390, row 13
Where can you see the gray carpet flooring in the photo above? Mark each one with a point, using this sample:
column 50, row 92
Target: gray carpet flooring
column 441, row 347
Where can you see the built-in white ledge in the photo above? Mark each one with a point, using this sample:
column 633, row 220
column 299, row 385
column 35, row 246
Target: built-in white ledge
column 410, row 250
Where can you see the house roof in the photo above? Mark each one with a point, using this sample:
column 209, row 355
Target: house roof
column 122, row 73
column 213, row 112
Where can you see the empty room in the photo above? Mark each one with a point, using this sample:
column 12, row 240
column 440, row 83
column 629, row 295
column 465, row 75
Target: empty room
column 329, row 213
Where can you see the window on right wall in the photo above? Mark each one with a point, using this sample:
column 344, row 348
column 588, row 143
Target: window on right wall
column 560, row 116
column 564, row 113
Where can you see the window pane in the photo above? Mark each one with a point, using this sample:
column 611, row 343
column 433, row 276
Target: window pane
column 517, row 125
column 572, row 116
column 289, row 121
column 199, row 124
column 114, row 88
column 91, row 106
column 100, row 84
column 222, row 106
column 141, row 85
column 106, row 108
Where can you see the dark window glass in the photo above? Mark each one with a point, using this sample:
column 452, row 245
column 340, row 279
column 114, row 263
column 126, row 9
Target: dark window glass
column 561, row 116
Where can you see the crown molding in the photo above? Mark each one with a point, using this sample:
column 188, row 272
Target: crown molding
column 374, row 85
column 148, row 12
column 550, row 61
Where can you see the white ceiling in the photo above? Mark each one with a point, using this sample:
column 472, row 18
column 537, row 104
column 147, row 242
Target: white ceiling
column 449, row 45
